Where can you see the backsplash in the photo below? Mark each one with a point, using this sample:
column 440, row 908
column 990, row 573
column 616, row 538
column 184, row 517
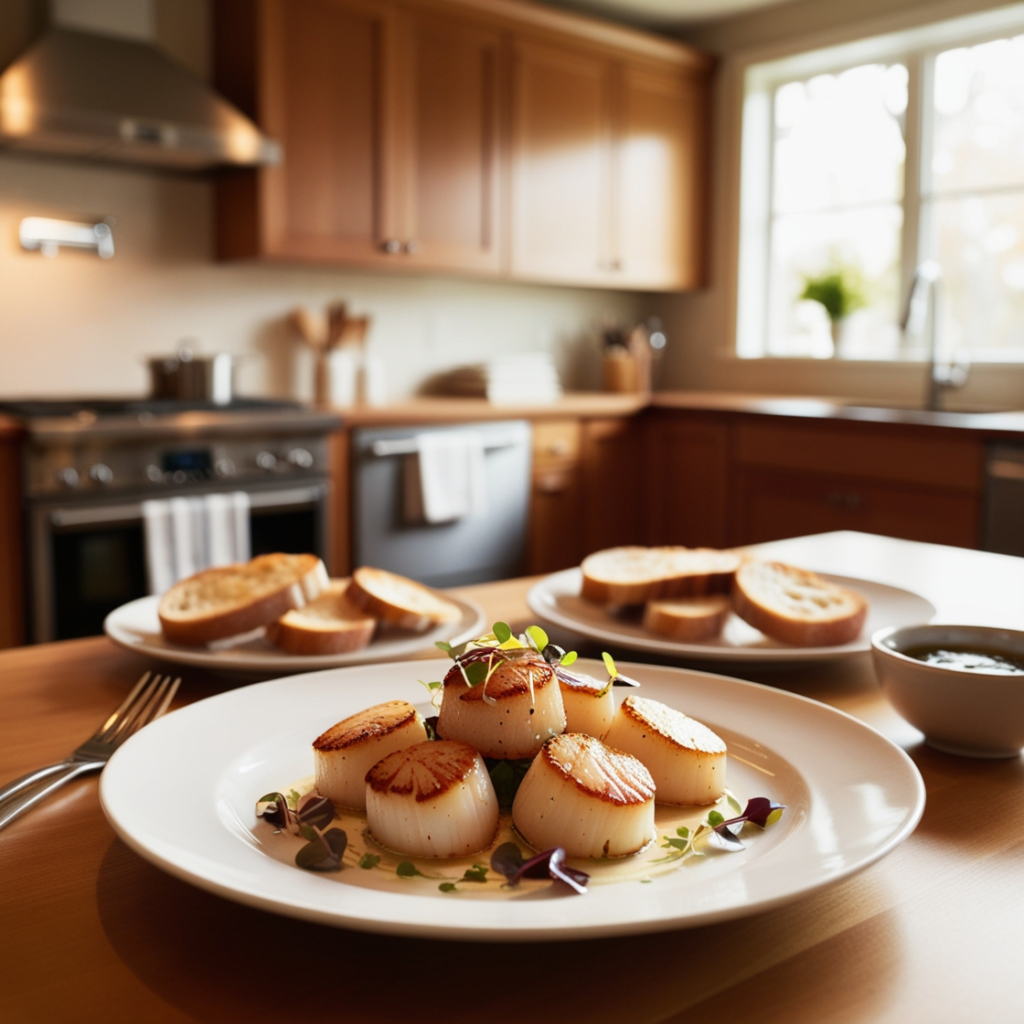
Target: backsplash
column 78, row 324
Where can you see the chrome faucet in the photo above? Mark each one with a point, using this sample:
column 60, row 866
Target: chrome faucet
column 940, row 378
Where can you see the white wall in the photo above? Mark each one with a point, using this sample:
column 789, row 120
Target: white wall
column 702, row 324
column 78, row 324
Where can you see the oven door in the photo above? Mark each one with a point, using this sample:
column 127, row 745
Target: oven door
column 88, row 559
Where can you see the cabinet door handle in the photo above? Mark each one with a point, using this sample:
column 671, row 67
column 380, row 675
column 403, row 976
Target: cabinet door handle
column 411, row 247
column 391, row 246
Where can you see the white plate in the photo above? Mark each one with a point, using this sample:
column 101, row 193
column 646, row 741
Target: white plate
column 181, row 793
column 556, row 599
column 136, row 627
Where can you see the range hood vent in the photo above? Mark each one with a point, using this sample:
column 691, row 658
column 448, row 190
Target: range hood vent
column 85, row 95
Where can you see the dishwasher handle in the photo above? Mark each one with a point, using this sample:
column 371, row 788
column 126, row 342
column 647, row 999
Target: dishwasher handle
column 409, row 446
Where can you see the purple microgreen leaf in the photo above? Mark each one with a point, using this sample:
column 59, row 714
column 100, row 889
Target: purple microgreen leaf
column 431, row 726
column 407, row 870
column 725, row 840
column 276, row 809
column 762, row 811
column 506, row 860
column 551, row 864
column 324, row 851
column 315, row 810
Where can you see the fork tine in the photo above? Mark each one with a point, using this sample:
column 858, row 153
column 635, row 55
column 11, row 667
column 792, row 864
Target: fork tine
column 164, row 703
column 124, row 706
column 148, row 698
column 142, row 695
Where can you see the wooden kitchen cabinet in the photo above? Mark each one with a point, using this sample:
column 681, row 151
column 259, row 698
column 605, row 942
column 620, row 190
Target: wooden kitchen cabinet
column 12, row 563
column 555, row 536
column 473, row 136
column 389, row 122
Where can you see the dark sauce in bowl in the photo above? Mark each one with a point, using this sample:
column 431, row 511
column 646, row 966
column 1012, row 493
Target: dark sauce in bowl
column 969, row 659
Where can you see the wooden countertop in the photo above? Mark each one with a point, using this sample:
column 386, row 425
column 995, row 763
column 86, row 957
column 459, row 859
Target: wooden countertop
column 931, row 932
column 577, row 404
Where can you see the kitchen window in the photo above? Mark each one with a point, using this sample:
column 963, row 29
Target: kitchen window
column 864, row 162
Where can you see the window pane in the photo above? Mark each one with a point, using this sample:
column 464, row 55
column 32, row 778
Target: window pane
column 979, row 117
column 979, row 242
column 806, row 244
column 838, row 139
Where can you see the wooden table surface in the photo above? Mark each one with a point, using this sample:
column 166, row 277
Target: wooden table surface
column 933, row 932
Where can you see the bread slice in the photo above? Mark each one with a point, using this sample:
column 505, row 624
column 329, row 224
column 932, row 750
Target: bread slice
column 636, row 575
column 237, row 599
column 796, row 606
column 689, row 619
column 331, row 624
column 398, row 600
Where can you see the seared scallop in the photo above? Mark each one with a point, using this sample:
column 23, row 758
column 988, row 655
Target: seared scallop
column 586, row 797
column 589, row 704
column 432, row 800
column 512, row 714
column 347, row 751
column 685, row 758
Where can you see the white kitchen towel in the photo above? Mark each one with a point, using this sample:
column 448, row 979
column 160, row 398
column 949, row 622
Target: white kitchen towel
column 446, row 479
column 186, row 535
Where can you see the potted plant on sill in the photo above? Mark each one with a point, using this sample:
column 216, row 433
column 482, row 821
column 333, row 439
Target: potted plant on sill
column 840, row 289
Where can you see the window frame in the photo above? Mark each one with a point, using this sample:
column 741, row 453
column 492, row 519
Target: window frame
column 917, row 49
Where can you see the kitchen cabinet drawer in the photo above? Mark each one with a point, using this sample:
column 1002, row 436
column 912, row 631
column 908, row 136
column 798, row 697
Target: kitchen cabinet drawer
column 555, row 443
column 771, row 505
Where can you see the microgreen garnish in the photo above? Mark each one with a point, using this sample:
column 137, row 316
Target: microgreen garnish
column 615, row 678
column 369, row 860
column 408, row 870
column 720, row 831
column 324, row 851
column 507, row 860
column 506, row 777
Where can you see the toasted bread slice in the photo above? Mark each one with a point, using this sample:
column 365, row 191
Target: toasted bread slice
column 689, row 619
column 331, row 624
column 237, row 599
column 636, row 575
column 796, row 606
column 398, row 600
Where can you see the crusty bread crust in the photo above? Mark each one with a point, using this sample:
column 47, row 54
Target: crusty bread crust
column 398, row 600
column 796, row 606
column 329, row 625
column 689, row 619
column 236, row 599
column 635, row 575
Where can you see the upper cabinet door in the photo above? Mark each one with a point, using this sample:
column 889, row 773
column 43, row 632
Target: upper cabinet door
column 660, row 155
column 561, row 164
column 327, row 96
column 449, row 170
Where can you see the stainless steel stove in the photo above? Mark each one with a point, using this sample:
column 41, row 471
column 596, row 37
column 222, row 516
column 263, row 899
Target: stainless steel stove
column 87, row 466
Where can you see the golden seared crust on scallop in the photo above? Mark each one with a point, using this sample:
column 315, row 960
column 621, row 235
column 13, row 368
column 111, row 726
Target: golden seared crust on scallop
column 347, row 751
column 686, row 759
column 586, row 797
column 423, row 771
column 432, row 800
column 599, row 770
column 368, row 725
column 509, row 716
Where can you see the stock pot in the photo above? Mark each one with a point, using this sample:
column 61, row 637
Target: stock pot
column 186, row 376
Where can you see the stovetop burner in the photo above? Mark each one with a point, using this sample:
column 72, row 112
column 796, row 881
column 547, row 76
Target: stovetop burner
column 32, row 408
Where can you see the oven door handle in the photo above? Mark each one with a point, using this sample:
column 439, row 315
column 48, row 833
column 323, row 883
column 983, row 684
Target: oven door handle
column 132, row 511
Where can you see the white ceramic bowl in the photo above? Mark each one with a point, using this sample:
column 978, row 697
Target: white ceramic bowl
column 977, row 714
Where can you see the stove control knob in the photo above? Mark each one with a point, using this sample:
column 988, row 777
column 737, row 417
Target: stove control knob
column 266, row 460
column 154, row 474
column 224, row 467
column 301, row 458
column 101, row 473
column 68, row 476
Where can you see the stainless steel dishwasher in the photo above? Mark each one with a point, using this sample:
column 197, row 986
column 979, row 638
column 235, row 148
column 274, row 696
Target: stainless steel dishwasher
column 473, row 549
column 1003, row 529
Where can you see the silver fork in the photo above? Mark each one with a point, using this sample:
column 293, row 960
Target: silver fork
column 149, row 699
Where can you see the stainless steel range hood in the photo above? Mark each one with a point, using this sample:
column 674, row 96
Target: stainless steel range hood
column 80, row 94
